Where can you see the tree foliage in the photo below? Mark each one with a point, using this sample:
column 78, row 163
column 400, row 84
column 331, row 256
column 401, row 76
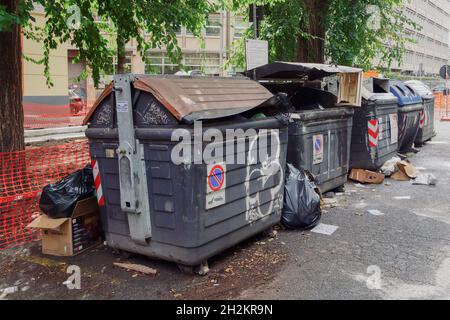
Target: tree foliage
column 361, row 33
column 89, row 26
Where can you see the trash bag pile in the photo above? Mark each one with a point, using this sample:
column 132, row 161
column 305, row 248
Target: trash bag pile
column 302, row 208
column 59, row 199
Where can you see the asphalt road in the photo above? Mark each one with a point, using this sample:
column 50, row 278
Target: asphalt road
column 408, row 246
column 402, row 254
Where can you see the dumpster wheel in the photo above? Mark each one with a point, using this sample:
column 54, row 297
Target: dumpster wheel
column 201, row 270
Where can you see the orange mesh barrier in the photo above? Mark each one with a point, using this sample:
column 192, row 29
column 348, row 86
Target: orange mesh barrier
column 440, row 103
column 40, row 116
column 23, row 174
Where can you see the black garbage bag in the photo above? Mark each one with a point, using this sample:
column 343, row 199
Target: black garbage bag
column 301, row 202
column 59, row 199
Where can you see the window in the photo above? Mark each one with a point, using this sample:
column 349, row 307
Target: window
column 213, row 26
column 239, row 27
column 159, row 63
column 209, row 63
column 189, row 32
column 113, row 67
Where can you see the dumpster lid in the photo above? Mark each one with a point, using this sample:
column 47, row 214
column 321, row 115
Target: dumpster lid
column 375, row 88
column 405, row 94
column 196, row 98
column 349, row 92
column 423, row 90
column 298, row 70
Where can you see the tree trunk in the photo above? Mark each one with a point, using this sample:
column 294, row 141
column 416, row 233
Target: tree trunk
column 121, row 54
column 313, row 50
column 11, row 109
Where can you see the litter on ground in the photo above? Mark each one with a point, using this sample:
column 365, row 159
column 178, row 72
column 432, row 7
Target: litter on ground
column 326, row 229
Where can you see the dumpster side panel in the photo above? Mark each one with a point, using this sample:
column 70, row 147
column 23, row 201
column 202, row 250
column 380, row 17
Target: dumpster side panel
column 427, row 132
column 184, row 213
column 323, row 148
column 184, row 230
column 408, row 127
column 362, row 156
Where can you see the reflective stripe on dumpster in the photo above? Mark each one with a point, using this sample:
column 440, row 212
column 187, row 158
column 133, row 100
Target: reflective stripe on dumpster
column 98, row 183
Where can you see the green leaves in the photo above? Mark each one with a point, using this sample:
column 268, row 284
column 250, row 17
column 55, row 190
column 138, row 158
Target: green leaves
column 94, row 26
column 364, row 33
column 352, row 38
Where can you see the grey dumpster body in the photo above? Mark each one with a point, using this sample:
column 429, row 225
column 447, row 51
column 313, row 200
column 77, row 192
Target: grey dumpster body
column 375, row 127
column 426, row 122
column 409, row 109
column 319, row 141
column 190, row 211
column 321, row 129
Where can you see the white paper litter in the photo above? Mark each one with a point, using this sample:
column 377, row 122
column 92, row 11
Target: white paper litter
column 8, row 291
column 425, row 179
column 326, row 229
column 403, row 198
column 375, row 212
column 390, row 166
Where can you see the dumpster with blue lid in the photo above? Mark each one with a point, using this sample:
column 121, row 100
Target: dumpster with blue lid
column 426, row 123
column 375, row 126
column 409, row 108
column 323, row 98
column 174, row 191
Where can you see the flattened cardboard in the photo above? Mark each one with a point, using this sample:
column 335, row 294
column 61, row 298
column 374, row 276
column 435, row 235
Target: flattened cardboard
column 366, row 176
column 408, row 169
column 57, row 234
column 400, row 176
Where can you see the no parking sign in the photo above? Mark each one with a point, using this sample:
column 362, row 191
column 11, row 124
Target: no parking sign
column 215, row 185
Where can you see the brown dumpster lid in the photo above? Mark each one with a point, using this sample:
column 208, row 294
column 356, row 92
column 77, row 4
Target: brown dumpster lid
column 199, row 97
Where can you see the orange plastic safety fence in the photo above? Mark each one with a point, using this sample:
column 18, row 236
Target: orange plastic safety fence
column 440, row 103
column 44, row 120
column 23, row 174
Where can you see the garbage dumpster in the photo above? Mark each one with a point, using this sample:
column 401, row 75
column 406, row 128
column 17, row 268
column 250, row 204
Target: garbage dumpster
column 176, row 190
column 321, row 126
column 409, row 108
column 375, row 126
column 426, row 123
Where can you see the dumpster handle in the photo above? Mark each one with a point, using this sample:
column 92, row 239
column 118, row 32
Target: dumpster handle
column 134, row 198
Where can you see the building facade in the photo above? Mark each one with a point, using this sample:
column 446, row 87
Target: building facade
column 207, row 55
column 431, row 48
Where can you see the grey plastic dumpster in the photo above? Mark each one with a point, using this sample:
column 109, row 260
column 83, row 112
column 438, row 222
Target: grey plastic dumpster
column 426, row 122
column 409, row 109
column 319, row 141
column 375, row 127
column 187, row 211
column 320, row 130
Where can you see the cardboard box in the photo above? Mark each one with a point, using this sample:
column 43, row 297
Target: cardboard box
column 70, row 236
column 366, row 176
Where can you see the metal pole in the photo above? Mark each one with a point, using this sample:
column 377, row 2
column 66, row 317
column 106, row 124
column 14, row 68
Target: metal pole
column 446, row 91
column 255, row 22
column 255, row 31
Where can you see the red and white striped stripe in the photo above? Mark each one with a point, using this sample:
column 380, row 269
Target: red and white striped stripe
column 422, row 120
column 98, row 183
column 373, row 132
